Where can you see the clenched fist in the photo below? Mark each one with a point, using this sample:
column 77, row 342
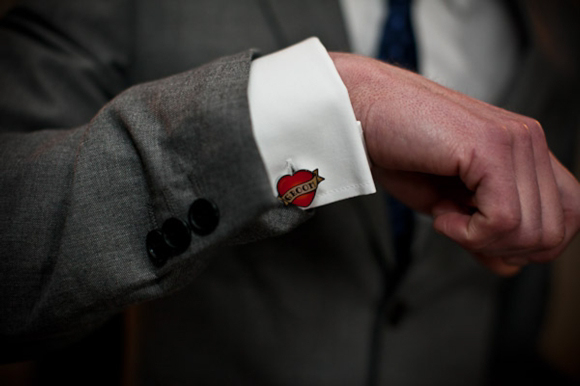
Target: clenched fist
column 484, row 173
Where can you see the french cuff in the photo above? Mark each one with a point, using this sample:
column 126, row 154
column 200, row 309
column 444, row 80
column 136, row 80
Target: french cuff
column 305, row 128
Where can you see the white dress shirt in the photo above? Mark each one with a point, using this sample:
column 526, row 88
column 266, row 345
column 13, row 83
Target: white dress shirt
column 301, row 113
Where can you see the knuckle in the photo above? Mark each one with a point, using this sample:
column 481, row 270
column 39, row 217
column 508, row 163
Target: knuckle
column 533, row 125
column 507, row 220
column 479, row 244
column 535, row 129
column 532, row 239
column 499, row 133
column 521, row 132
column 476, row 243
column 553, row 238
column 494, row 230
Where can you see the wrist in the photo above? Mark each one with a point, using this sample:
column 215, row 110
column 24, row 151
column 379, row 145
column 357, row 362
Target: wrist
column 361, row 76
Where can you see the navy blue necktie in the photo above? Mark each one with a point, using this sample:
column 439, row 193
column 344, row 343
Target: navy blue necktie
column 398, row 47
column 398, row 39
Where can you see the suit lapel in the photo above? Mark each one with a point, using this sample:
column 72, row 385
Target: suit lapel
column 292, row 21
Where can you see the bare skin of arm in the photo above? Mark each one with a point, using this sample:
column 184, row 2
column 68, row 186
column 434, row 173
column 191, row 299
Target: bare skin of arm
column 485, row 174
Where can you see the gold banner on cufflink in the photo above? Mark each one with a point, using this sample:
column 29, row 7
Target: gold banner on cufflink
column 299, row 188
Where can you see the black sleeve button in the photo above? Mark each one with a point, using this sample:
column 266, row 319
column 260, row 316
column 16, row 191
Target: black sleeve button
column 177, row 235
column 203, row 217
column 158, row 250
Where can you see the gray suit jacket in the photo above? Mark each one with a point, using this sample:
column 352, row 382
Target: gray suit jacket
column 85, row 177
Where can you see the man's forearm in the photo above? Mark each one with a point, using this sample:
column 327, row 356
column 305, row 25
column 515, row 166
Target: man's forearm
column 509, row 201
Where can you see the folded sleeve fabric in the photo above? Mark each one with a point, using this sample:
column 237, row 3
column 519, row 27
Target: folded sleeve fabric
column 302, row 119
column 82, row 191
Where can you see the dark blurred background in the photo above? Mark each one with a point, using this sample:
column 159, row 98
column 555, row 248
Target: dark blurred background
column 107, row 356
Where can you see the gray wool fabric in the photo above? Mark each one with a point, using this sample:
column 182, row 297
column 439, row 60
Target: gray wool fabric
column 115, row 116
column 78, row 203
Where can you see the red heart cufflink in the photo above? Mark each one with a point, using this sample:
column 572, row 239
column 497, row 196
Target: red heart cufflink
column 299, row 188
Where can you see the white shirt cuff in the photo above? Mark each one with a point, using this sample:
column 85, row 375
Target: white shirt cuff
column 303, row 120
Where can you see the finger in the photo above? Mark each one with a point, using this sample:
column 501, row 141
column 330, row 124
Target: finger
column 457, row 213
column 415, row 190
column 553, row 227
column 542, row 216
column 490, row 174
column 422, row 192
column 569, row 189
column 499, row 266
column 527, row 235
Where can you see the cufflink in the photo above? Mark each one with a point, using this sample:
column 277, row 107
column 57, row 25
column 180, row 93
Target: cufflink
column 298, row 188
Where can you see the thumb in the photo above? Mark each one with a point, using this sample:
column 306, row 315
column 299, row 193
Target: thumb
column 453, row 221
column 450, row 219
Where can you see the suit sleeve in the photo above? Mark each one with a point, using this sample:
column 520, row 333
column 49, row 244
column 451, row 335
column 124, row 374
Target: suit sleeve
column 78, row 201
